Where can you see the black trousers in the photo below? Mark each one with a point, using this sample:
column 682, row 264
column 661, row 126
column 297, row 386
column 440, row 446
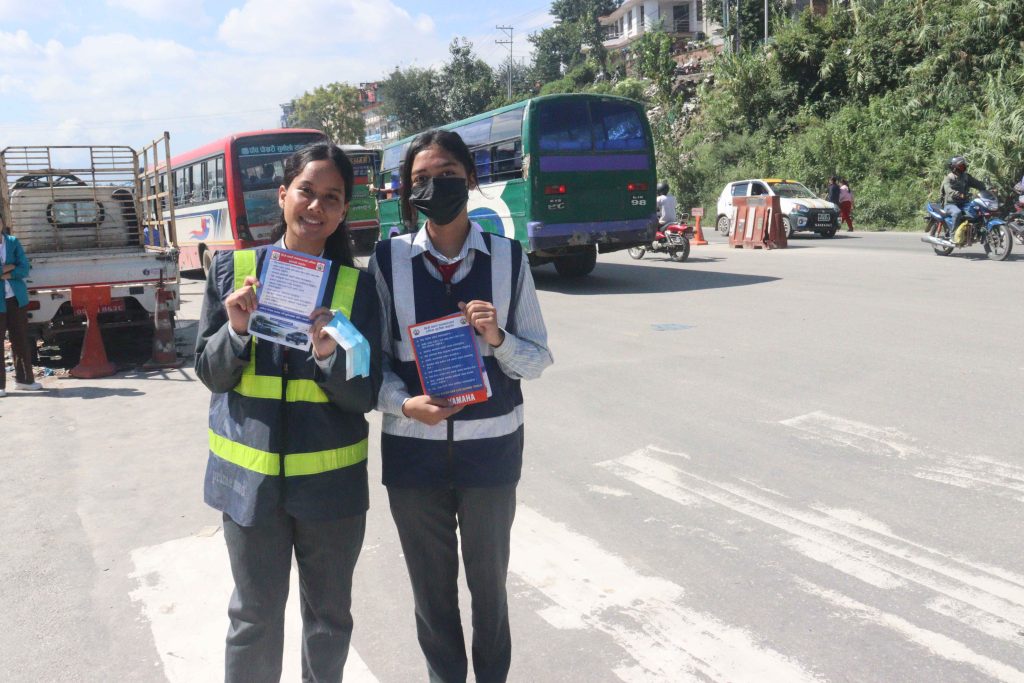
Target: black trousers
column 15, row 321
column 261, row 560
column 427, row 520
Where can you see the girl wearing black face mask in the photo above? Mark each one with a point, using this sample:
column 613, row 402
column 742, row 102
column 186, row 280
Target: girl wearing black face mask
column 449, row 467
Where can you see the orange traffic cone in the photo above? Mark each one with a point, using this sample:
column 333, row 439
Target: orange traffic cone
column 93, row 362
column 164, row 353
column 698, row 235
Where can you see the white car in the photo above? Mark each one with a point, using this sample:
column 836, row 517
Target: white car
column 801, row 209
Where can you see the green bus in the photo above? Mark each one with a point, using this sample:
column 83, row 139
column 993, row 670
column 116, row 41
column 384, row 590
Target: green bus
column 566, row 175
column 363, row 224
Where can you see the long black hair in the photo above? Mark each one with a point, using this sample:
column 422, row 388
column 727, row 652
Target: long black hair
column 449, row 142
column 337, row 248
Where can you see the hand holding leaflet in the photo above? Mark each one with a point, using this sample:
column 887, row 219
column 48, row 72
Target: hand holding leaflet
column 448, row 360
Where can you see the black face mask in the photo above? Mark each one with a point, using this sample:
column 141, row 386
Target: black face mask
column 440, row 199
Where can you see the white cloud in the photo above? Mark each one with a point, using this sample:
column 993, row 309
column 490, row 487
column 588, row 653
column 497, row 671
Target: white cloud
column 167, row 10
column 319, row 25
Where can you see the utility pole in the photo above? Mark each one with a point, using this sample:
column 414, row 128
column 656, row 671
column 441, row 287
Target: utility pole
column 765, row 22
column 508, row 42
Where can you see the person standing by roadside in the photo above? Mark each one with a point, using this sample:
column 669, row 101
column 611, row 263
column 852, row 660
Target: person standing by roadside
column 288, row 436
column 846, row 204
column 833, row 191
column 448, row 468
column 13, row 311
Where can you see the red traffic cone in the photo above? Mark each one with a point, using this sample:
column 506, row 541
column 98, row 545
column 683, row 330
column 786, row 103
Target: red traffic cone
column 94, row 362
column 698, row 234
column 164, row 353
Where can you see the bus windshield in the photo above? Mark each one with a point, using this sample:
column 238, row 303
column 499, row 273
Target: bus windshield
column 261, row 171
column 589, row 125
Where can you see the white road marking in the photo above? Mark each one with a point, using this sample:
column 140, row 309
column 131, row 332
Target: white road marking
column 976, row 473
column 184, row 587
column 978, row 620
column 821, row 426
column 935, row 643
column 608, row 491
column 592, row 588
column 844, row 563
column 823, row 537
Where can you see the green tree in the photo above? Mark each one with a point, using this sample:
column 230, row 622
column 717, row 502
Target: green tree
column 466, row 83
column 411, row 97
column 576, row 28
column 332, row 108
column 653, row 54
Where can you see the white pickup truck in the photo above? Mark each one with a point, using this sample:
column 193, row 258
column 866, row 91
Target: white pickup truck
column 91, row 215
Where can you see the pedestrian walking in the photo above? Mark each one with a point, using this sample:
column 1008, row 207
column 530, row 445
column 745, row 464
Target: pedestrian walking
column 288, row 436
column 846, row 204
column 447, row 467
column 14, row 268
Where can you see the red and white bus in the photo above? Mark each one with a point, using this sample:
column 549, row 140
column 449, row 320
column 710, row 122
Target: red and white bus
column 225, row 192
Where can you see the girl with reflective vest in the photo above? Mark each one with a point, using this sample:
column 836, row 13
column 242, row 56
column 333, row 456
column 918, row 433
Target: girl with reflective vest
column 288, row 448
column 448, row 467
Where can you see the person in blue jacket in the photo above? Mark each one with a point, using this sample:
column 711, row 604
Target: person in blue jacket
column 288, row 436
column 14, row 311
column 455, row 467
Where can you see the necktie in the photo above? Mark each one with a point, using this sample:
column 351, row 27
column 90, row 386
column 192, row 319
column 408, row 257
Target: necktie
column 447, row 270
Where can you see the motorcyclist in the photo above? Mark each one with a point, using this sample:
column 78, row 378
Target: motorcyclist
column 666, row 206
column 953, row 194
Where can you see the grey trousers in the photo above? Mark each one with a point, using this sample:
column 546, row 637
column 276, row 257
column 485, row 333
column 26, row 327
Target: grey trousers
column 426, row 521
column 261, row 560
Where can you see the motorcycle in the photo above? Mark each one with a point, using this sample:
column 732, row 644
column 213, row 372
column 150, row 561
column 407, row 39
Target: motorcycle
column 978, row 223
column 672, row 238
column 1015, row 221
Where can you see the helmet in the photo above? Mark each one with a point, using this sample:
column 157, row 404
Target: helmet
column 662, row 188
column 958, row 164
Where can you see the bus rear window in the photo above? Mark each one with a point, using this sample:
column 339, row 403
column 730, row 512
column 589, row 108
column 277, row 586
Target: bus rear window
column 616, row 126
column 584, row 126
column 564, row 126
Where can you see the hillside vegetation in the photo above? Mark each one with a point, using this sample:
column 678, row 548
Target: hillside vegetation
column 882, row 93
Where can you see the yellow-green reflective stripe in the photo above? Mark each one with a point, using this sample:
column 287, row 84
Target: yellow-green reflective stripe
column 245, row 265
column 303, row 390
column 258, row 386
column 245, row 456
column 345, row 290
column 297, row 464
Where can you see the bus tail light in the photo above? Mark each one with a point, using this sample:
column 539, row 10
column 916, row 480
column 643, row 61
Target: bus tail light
column 636, row 187
column 554, row 189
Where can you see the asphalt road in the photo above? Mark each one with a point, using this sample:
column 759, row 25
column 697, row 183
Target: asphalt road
column 796, row 465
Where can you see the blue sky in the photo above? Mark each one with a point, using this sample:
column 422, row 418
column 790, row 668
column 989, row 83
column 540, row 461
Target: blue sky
column 123, row 71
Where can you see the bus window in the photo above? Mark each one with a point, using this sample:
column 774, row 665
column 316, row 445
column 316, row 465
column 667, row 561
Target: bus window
column 617, row 126
column 210, row 178
column 474, row 134
column 564, row 126
column 508, row 160
column 507, row 125
column 482, row 161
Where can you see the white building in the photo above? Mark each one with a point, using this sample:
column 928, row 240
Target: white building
column 684, row 20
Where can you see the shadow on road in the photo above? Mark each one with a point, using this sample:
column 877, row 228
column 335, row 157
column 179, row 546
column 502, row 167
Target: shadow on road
column 83, row 392
column 621, row 278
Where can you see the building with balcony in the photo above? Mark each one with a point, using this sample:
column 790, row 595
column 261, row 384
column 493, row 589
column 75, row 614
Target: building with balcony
column 380, row 128
column 684, row 20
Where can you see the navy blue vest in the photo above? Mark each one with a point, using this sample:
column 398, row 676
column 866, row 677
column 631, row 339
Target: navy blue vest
column 493, row 453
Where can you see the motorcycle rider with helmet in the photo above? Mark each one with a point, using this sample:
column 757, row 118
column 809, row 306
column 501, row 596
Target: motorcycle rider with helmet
column 954, row 193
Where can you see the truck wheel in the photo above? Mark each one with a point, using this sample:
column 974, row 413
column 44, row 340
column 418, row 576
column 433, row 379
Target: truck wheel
column 723, row 225
column 207, row 259
column 577, row 264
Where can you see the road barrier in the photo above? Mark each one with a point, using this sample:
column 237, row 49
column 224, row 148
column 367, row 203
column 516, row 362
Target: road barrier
column 164, row 353
column 757, row 223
